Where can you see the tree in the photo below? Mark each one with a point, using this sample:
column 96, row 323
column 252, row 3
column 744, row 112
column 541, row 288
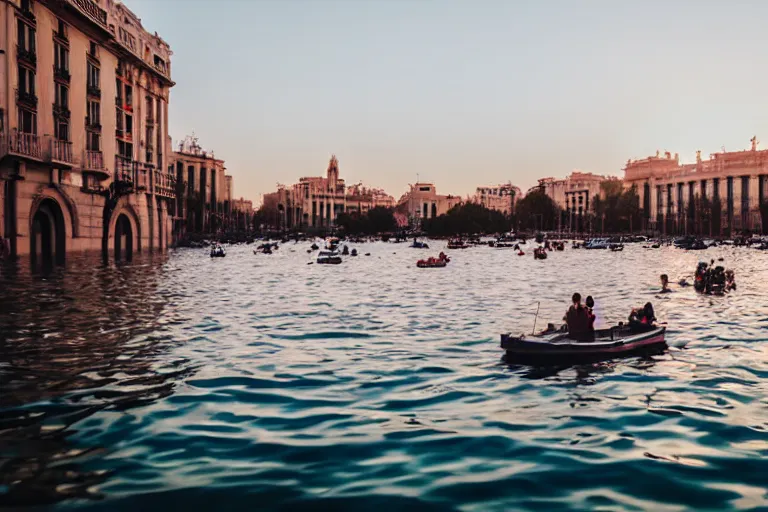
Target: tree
column 379, row 219
column 467, row 218
column 537, row 211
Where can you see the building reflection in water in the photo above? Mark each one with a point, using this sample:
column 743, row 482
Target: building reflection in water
column 79, row 340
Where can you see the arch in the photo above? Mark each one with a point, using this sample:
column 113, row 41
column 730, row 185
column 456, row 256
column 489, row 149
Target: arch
column 66, row 206
column 125, row 212
column 123, row 238
column 48, row 234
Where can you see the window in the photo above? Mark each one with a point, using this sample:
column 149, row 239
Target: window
column 119, row 120
column 93, row 141
column 26, row 81
column 125, row 149
column 128, row 95
column 25, row 36
column 26, row 5
column 94, row 113
column 61, row 129
column 128, row 124
column 93, row 76
column 93, row 50
column 119, row 94
column 60, row 57
column 62, row 96
column 61, row 29
column 149, row 145
column 27, row 121
column 423, row 189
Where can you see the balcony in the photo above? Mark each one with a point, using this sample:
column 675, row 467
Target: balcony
column 94, row 126
column 92, row 10
column 60, row 152
column 60, row 111
column 61, row 73
column 61, row 37
column 125, row 172
column 165, row 185
column 26, row 56
column 93, row 163
column 142, row 177
column 20, row 144
column 94, row 90
column 27, row 99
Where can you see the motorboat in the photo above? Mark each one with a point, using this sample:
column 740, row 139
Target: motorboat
column 616, row 247
column 597, row 243
column 217, row 251
column 332, row 243
column 557, row 347
column 329, row 258
column 539, row 253
column 419, row 245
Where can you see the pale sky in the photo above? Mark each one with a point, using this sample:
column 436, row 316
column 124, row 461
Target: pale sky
column 463, row 93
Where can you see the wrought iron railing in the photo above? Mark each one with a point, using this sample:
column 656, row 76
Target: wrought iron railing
column 26, row 144
column 26, row 55
column 61, row 73
column 26, row 98
column 93, row 161
column 92, row 9
column 61, row 151
column 61, row 111
column 94, row 90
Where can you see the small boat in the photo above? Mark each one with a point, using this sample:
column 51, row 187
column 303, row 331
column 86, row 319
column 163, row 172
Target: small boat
column 557, row 347
column 329, row 258
column 332, row 243
column 457, row 244
column 616, row 247
column 597, row 243
column 539, row 253
column 432, row 262
column 353, row 253
column 520, row 253
column 217, row 251
column 419, row 245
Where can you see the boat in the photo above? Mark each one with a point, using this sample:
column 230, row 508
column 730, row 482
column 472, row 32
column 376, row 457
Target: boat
column 539, row 253
column 332, row 243
column 557, row 347
column 431, row 262
column 616, row 247
column 419, row 245
column 217, row 251
column 353, row 253
column 457, row 244
column 597, row 243
column 329, row 258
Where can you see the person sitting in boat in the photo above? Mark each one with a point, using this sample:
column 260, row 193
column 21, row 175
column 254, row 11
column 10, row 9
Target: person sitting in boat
column 665, row 283
column 590, row 303
column 577, row 320
column 442, row 256
column 642, row 319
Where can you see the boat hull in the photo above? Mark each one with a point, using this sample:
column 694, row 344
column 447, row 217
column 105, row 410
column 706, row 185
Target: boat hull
column 558, row 348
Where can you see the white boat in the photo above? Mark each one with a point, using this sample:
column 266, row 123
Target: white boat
column 329, row 258
column 597, row 243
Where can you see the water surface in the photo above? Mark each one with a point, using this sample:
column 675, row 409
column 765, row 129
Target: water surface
column 263, row 382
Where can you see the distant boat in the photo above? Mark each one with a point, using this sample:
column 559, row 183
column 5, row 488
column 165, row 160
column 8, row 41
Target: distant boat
column 329, row 258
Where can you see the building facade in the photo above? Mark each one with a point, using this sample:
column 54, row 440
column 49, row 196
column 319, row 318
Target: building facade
column 671, row 193
column 574, row 195
column 204, row 190
column 315, row 202
column 501, row 198
column 83, row 131
column 423, row 202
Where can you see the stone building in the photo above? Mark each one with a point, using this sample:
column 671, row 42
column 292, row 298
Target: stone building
column 423, row 202
column 204, row 190
column 83, row 130
column 667, row 188
column 500, row 198
column 574, row 195
column 315, row 202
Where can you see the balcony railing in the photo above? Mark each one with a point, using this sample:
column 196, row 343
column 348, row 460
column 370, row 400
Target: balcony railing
column 142, row 177
column 125, row 170
column 25, row 55
column 61, row 36
column 60, row 151
column 94, row 90
column 22, row 144
column 28, row 14
column 94, row 125
column 92, row 10
column 61, row 73
column 60, row 111
column 165, row 185
column 93, row 161
column 28, row 99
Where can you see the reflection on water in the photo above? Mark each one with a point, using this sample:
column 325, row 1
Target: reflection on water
column 261, row 382
column 74, row 342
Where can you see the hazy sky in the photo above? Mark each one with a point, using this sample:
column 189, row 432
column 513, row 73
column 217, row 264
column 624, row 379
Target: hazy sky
column 462, row 93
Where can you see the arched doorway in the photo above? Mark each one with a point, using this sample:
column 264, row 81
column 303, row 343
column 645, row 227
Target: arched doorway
column 123, row 239
column 48, row 235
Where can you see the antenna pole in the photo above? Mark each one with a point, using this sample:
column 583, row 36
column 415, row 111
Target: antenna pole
column 535, row 318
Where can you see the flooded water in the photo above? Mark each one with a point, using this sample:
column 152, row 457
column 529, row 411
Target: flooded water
column 258, row 382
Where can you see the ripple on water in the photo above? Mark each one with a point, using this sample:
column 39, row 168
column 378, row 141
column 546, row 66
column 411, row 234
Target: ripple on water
column 185, row 382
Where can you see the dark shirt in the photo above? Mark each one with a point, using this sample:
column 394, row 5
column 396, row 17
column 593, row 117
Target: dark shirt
column 578, row 322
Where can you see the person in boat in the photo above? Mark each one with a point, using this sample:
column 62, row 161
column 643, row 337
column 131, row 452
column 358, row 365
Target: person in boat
column 577, row 320
column 642, row 319
column 665, row 283
column 442, row 256
column 590, row 306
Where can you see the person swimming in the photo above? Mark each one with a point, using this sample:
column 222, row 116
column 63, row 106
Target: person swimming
column 665, row 283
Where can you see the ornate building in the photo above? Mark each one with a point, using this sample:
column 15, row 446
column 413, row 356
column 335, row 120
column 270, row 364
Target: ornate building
column 573, row 196
column 670, row 191
column 423, row 202
column 501, row 197
column 315, row 202
column 83, row 130
column 204, row 190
